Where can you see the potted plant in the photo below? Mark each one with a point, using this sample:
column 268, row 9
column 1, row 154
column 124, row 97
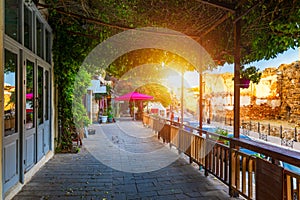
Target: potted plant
column 249, row 74
column 104, row 116
column 110, row 114
column 222, row 132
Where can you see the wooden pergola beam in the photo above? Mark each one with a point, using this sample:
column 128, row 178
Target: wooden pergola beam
column 220, row 21
column 223, row 6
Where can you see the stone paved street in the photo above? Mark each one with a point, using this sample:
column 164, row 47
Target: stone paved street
column 123, row 160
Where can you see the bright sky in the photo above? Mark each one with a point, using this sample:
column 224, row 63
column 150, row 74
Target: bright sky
column 284, row 58
column 287, row 57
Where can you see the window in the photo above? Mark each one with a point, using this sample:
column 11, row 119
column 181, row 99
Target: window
column 29, row 95
column 39, row 38
column 12, row 19
column 40, row 95
column 28, row 26
column 48, row 46
column 47, row 96
column 10, row 91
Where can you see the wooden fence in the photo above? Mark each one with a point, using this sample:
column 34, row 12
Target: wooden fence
column 245, row 175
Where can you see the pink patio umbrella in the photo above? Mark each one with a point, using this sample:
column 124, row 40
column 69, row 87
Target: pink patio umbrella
column 132, row 96
column 29, row 96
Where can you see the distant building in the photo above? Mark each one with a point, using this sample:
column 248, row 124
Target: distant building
column 93, row 104
column 275, row 97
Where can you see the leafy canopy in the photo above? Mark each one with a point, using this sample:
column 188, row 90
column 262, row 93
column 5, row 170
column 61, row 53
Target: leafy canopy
column 271, row 27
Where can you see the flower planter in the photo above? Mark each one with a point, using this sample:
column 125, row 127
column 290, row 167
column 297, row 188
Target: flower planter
column 7, row 124
column 110, row 119
column 12, row 122
column 104, row 119
column 244, row 83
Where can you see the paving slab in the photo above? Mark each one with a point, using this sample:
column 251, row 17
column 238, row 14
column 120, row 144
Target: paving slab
column 122, row 160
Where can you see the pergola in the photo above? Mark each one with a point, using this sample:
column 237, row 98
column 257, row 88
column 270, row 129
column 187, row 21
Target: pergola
column 233, row 31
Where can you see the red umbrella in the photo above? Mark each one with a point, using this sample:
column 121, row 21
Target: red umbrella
column 133, row 96
column 29, row 96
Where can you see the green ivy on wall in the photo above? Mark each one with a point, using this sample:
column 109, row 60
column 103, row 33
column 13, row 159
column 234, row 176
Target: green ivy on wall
column 69, row 52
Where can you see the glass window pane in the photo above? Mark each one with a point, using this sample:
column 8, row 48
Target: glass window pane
column 47, row 99
column 40, row 95
column 10, row 91
column 39, row 38
column 27, row 28
column 48, row 47
column 29, row 95
column 12, row 18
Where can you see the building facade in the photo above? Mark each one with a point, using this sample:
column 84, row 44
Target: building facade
column 276, row 96
column 26, row 99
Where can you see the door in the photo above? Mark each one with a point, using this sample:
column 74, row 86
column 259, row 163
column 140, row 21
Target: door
column 40, row 113
column 43, row 110
column 11, row 142
column 47, row 110
column 30, row 110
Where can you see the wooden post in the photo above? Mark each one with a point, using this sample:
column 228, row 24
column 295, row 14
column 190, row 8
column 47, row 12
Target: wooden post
column 200, row 103
column 181, row 98
column 206, row 159
column 237, row 66
column 236, row 105
column 230, row 170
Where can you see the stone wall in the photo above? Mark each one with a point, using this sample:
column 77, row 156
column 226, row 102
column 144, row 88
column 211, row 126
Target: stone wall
column 277, row 96
column 256, row 112
column 289, row 82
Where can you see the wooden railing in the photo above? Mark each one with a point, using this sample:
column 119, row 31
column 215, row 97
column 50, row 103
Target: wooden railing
column 216, row 160
column 246, row 175
column 292, row 185
column 174, row 136
column 242, row 174
column 271, row 180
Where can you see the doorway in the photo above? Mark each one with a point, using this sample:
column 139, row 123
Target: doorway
column 11, row 137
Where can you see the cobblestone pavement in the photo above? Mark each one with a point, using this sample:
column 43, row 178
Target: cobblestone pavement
column 106, row 168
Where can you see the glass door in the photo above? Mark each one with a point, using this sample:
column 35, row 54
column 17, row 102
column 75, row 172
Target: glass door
column 43, row 110
column 47, row 112
column 11, row 105
column 40, row 112
column 30, row 114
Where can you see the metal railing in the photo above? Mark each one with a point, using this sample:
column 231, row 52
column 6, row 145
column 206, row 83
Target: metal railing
column 288, row 136
column 244, row 174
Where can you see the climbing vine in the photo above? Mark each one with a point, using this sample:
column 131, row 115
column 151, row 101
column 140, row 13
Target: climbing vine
column 268, row 28
column 68, row 54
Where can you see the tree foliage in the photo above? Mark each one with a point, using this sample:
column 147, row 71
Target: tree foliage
column 69, row 52
column 159, row 92
column 153, row 57
column 269, row 27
